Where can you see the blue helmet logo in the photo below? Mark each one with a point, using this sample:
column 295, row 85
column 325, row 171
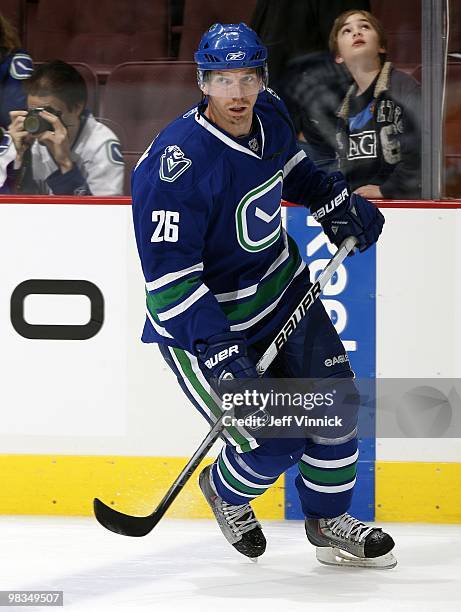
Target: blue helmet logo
column 235, row 56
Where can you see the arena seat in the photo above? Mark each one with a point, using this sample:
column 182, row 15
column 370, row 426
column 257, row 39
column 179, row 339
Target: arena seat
column 199, row 15
column 131, row 159
column 144, row 97
column 91, row 81
column 454, row 40
column 13, row 10
column 451, row 128
column 403, row 29
column 102, row 33
column 452, row 131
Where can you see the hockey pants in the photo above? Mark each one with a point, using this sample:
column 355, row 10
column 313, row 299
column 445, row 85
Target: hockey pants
column 246, row 466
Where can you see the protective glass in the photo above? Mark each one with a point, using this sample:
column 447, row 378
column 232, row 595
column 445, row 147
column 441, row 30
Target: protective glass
column 231, row 84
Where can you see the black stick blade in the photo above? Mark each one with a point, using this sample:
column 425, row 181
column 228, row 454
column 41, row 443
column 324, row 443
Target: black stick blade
column 124, row 524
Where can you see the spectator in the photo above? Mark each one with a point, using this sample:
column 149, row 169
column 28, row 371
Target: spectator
column 302, row 71
column 69, row 152
column 15, row 66
column 378, row 135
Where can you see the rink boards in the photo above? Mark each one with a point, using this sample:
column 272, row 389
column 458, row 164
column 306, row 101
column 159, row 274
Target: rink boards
column 88, row 410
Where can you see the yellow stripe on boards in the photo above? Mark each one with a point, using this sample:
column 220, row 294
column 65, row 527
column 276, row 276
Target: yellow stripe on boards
column 66, row 485
column 418, row 492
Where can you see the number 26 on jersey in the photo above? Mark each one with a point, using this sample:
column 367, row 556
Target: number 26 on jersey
column 167, row 228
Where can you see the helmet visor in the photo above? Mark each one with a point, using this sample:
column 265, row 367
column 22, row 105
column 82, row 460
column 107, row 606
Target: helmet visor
column 231, row 83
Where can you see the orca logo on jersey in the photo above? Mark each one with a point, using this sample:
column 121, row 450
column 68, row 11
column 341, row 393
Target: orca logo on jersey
column 173, row 163
column 235, row 56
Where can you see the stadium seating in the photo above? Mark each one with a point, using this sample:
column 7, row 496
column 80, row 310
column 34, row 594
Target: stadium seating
column 102, row 33
column 144, row 97
column 454, row 39
column 91, row 81
column 452, row 131
column 13, row 10
column 403, row 29
column 131, row 159
column 141, row 98
column 451, row 128
column 199, row 15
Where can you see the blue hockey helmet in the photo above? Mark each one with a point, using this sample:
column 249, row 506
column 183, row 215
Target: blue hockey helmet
column 229, row 47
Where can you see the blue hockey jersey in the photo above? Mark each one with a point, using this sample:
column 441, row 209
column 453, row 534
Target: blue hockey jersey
column 14, row 69
column 207, row 218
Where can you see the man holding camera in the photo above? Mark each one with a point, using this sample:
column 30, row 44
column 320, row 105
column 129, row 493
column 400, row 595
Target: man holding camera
column 59, row 146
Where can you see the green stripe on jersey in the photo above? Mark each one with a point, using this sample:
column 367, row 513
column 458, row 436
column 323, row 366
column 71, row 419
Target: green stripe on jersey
column 328, row 476
column 151, row 308
column 174, row 293
column 206, row 397
column 236, row 484
column 268, row 290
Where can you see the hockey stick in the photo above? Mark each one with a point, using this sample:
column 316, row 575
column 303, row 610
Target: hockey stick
column 137, row 526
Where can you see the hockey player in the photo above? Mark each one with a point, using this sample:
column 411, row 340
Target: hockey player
column 222, row 276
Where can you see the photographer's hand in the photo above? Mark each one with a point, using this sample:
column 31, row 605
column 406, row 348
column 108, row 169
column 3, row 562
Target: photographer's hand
column 57, row 142
column 22, row 140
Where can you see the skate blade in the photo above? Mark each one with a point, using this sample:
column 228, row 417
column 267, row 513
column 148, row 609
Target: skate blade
column 253, row 559
column 338, row 557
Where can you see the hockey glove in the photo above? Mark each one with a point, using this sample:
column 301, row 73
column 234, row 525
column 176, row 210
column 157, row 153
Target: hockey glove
column 224, row 357
column 342, row 214
column 361, row 219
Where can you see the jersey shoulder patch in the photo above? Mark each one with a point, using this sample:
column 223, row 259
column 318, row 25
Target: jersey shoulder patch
column 190, row 112
column 21, row 66
column 173, row 163
column 5, row 143
column 114, row 152
column 272, row 93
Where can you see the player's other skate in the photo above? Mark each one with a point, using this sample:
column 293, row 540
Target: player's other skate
column 238, row 523
column 344, row 540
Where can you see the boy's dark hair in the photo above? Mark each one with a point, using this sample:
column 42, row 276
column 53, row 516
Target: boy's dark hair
column 58, row 79
column 372, row 20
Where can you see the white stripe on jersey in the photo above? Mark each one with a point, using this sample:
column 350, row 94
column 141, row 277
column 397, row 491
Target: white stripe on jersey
column 172, row 276
column 243, row 293
column 294, row 161
column 184, row 305
column 270, row 308
column 158, row 328
column 333, row 463
column 328, row 489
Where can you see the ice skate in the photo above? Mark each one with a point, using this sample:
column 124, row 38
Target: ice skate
column 238, row 523
column 344, row 540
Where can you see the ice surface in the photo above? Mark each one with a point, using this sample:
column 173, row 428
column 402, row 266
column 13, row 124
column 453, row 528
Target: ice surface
column 187, row 565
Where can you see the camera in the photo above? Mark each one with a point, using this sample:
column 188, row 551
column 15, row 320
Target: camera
column 34, row 124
